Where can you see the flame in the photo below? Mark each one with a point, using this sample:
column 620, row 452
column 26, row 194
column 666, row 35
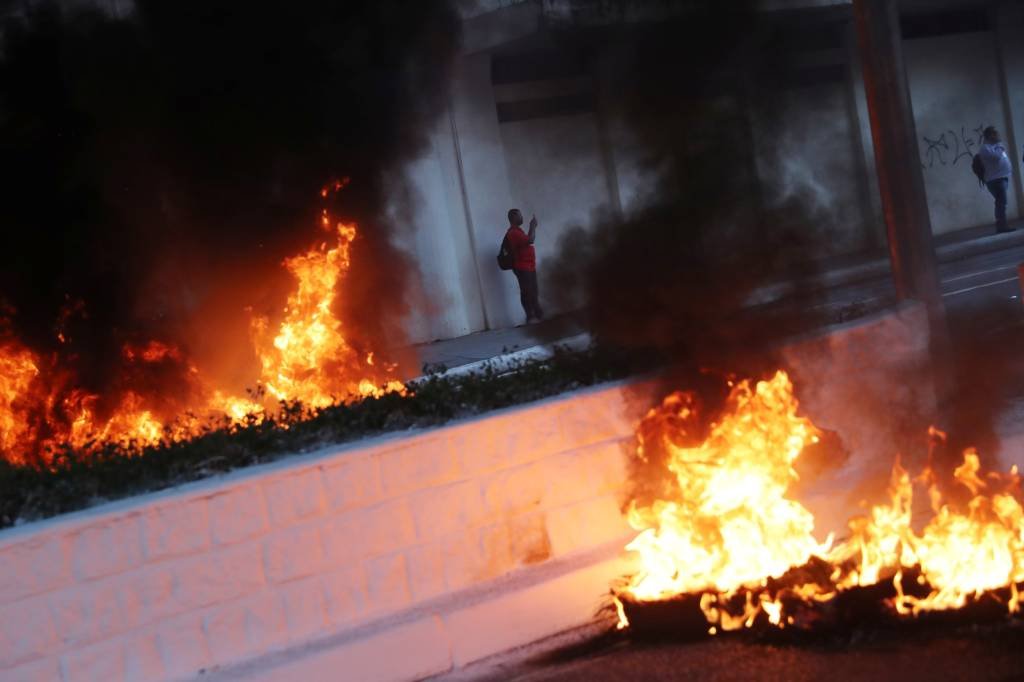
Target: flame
column 18, row 370
column 153, row 351
column 732, row 527
column 309, row 359
column 304, row 358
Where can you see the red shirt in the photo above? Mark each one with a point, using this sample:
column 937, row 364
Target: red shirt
column 523, row 255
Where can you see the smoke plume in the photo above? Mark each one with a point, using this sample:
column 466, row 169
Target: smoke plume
column 158, row 167
column 673, row 271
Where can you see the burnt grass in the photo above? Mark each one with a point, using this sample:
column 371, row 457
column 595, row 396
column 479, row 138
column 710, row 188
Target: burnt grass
column 75, row 480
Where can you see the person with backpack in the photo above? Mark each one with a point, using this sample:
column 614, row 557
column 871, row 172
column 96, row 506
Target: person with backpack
column 992, row 166
column 517, row 254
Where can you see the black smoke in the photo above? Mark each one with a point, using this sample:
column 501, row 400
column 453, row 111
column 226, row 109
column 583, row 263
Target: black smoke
column 159, row 165
column 674, row 272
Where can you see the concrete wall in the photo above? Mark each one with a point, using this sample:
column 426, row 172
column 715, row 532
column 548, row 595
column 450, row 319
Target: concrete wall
column 428, row 200
column 812, row 153
column 167, row 585
column 1009, row 25
column 955, row 91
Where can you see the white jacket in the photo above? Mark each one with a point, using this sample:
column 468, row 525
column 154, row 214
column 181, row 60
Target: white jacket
column 996, row 162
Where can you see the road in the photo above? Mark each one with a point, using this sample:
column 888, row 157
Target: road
column 965, row 283
column 971, row 653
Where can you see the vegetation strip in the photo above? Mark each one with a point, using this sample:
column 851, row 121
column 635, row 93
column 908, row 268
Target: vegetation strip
column 76, row 480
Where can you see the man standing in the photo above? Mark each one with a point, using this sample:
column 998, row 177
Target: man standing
column 997, row 173
column 524, row 263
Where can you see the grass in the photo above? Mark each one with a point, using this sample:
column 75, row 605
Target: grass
column 76, row 480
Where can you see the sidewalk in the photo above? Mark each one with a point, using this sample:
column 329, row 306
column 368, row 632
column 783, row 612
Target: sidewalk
column 949, row 247
column 524, row 341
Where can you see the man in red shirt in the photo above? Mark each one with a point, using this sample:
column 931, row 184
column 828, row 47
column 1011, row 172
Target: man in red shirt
column 524, row 263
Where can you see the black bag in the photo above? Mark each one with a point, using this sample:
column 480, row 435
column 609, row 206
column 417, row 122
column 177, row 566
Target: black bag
column 979, row 168
column 505, row 257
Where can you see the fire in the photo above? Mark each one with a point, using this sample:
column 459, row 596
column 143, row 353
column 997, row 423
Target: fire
column 732, row 525
column 154, row 351
column 304, row 358
column 18, row 370
column 731, row 531
column 308, row 359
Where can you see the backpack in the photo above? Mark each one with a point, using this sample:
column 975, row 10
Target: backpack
column 979, row 168
column 505, row 257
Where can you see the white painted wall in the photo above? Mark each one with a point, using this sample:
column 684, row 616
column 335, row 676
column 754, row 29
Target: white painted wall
column 954, row 90
column 446, row 298
column 556, row 171
column 334, row 544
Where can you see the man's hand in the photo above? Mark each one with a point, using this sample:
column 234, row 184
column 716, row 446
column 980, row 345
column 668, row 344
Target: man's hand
column 532, row 234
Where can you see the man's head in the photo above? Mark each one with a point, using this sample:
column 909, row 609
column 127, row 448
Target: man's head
column 515, row 217
column 991, row 135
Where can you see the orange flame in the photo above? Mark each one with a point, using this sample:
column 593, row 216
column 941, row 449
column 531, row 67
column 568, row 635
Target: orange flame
column 309, row 359
column 305, row 358
column 733, row 527
column 18, row 370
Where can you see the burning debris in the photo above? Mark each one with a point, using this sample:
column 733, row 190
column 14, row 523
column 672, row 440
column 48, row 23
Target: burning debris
column 730, row 550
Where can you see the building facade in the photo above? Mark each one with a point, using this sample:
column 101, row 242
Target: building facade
column 532, row 123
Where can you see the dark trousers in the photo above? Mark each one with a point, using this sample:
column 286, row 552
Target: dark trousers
column 997, row 188
column 528, row 294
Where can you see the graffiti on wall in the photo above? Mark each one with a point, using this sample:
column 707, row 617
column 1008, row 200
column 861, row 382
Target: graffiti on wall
column 950, row 147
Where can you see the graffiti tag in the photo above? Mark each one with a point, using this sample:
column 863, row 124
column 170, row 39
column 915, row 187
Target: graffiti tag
column 950, row 147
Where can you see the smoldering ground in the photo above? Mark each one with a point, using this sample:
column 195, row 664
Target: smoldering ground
column 159, row 165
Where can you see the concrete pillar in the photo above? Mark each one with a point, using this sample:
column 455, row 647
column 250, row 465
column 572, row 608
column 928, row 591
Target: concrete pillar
column 1007, row 24
column 449, row 301
column 874, row 219
column 900, row 182
column 486, row 190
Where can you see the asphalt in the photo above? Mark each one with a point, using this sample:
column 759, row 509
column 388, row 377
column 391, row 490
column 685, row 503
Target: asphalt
column 969, row 653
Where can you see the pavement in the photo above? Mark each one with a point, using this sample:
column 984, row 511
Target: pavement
column 852, row 285
column 968, row 653
column 482, row 346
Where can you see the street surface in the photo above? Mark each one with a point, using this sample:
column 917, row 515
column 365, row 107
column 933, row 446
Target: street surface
column 981, row 279
column 986, row 653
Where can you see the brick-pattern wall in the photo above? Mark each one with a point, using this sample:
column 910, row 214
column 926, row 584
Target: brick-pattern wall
column 213, row 574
